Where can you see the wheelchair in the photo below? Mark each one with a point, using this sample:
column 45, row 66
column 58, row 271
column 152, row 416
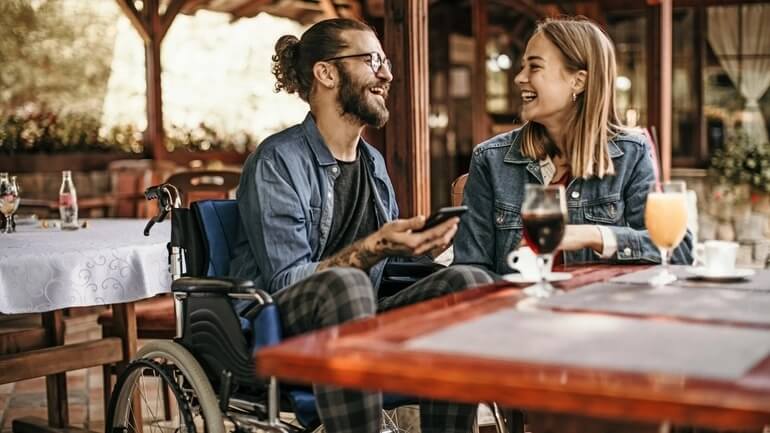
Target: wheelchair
column 204, row 379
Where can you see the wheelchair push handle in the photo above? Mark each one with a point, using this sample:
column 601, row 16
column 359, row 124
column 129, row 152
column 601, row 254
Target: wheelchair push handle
column 168, row 198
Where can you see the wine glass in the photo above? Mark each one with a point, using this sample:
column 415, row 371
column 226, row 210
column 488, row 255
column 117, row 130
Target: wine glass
column 665, row 216
column 9, row 201
column 544, row 214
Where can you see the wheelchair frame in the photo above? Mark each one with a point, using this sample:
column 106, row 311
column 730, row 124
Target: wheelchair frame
column 180, row 369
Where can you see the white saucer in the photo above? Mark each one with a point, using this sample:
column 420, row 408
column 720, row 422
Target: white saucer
column 551, row 278
column 707, row 274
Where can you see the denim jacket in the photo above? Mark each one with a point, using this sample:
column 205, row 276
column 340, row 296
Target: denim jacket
column 286, row 201
column 495, row 191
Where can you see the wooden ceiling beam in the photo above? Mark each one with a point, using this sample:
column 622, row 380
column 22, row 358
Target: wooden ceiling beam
column 135, row 18
column 249, row 8
column 170, row 13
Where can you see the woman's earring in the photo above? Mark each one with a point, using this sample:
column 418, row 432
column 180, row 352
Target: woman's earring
column 574, row 97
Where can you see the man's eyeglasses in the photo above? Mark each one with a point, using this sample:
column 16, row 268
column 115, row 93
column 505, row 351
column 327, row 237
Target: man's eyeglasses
column 375, row 60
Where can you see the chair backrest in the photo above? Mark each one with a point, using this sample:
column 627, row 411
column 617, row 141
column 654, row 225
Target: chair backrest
column 204, row 184
column 220, row 220
column 129, row 178
column 458, row 187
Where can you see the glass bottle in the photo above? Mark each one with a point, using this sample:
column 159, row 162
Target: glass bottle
column 68, row 202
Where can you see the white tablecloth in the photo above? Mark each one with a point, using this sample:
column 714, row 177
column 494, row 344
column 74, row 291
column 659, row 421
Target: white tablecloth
column 109, row 262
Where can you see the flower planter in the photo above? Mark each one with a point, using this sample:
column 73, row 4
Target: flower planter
column 77, row 162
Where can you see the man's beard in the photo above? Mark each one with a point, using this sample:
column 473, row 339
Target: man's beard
column 352, row 98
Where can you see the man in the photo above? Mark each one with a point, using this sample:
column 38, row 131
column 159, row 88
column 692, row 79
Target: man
column 319, row 211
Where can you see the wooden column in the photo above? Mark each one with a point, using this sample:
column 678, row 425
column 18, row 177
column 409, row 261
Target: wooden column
column 480, row 25
column 659, row 76
column 406, row 133
column 152, row 27
column 154, row 133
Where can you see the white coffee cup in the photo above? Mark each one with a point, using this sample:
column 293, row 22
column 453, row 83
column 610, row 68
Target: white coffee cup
column 717, row 257
column 524, row 260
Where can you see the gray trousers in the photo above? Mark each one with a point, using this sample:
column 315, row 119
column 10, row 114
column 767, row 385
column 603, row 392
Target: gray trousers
column 339, row 295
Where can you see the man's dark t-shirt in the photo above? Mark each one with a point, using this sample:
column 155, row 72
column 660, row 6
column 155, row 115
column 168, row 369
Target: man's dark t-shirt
column 354, row 214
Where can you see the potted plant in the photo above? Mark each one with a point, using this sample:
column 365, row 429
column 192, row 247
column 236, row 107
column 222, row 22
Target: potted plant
column 743, row 167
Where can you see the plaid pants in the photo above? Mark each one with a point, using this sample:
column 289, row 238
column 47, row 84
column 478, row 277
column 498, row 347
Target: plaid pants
column 338, row 295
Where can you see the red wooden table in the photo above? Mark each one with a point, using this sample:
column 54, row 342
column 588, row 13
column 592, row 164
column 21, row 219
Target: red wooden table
column 371, row 354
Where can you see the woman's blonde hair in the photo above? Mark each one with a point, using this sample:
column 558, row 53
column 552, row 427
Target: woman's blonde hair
column 584, row 46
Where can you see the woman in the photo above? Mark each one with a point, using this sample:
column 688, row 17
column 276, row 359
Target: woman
column 572, row 136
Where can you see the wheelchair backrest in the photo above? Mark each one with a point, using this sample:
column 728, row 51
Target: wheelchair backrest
column 220, row 221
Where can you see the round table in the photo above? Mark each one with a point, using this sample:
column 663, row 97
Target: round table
column 110, row 261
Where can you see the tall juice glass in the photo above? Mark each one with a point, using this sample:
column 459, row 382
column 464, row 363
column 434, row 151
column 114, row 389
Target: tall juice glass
column 665, row 216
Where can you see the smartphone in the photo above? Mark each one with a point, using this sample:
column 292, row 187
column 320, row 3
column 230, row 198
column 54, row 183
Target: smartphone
column 442, row 215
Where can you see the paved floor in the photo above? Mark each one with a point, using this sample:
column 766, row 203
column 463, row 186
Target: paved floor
column 84, row 387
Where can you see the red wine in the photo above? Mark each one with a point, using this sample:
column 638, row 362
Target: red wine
column 543, row 231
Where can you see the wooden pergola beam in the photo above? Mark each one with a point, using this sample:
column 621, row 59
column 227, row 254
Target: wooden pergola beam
column 152, row 27
column 171, row 12
column 249, row 9
column 136, row 20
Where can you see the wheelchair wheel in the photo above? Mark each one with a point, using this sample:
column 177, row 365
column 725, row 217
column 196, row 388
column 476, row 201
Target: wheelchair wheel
column 164, row 364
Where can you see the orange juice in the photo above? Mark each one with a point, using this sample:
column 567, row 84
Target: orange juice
column 665, row 216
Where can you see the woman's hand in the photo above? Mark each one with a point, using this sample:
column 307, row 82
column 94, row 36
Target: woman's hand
column 579, row 236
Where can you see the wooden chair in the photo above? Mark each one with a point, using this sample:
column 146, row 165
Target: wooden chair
column 128, row 180
column 458, row 187
column 205, row 184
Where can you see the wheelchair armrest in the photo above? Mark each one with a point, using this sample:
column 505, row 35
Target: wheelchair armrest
column 399, row 275
column 412, row 270
column 223, row 286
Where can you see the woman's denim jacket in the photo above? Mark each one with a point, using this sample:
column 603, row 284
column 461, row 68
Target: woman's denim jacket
column 495, row 190
column 286, row 200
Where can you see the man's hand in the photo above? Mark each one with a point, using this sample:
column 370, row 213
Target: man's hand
column 396, row 238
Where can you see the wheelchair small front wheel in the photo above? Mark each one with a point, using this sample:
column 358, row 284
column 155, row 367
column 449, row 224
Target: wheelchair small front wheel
column 162, row 364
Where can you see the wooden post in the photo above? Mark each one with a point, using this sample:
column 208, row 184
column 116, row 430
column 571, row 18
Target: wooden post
column 406, row 133
column 152, row 27
column 659, row 76
column 154, row 132
column 480, row 25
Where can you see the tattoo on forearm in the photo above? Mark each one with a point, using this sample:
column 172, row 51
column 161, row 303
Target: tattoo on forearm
column 355, row 256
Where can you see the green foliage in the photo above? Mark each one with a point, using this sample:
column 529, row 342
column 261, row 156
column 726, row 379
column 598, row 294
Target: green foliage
column 205, row 138
column 47, row 132
column 743, row 161
column 56, row 53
